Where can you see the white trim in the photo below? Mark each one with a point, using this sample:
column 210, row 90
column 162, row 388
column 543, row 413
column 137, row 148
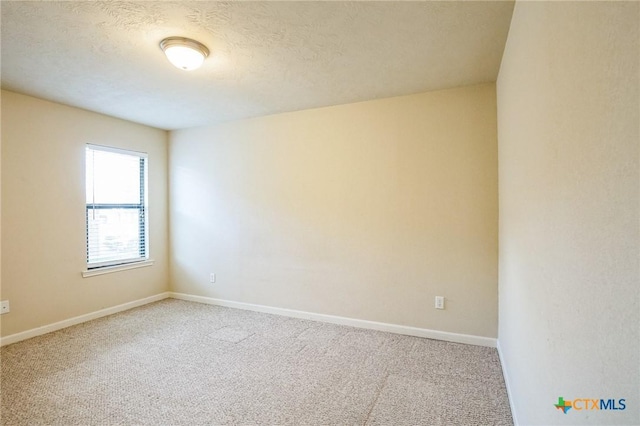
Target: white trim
column 109, row 269
column 372, row 325
column 13, row 338
column 507, row 384
column 117, row 150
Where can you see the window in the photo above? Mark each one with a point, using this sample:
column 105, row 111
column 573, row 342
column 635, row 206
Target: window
column 116, row 213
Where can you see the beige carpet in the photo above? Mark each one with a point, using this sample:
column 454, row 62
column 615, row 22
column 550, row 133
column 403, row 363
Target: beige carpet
column 183, row 363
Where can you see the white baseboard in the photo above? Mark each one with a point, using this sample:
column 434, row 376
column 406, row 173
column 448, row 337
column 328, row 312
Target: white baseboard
column 507, row 384
column 13, row 338
column 372, row 325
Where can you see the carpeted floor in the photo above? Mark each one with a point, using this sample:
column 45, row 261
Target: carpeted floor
column 184, row 363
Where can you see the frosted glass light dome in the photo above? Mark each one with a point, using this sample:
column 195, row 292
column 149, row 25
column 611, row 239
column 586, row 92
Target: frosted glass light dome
column 184, row 53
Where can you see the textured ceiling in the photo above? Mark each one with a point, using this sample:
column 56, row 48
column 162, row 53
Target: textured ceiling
column 267, row 57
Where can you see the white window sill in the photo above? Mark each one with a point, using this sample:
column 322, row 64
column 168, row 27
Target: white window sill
column 117, row 268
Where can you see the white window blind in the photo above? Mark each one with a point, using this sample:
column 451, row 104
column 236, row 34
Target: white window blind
column 116, row 212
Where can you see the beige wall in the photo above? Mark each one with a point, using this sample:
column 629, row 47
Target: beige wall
column 1, row 212
column 43, row 214
column 568, row 126
column 365, row 210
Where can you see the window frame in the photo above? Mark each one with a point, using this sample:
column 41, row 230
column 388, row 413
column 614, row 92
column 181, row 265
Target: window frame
column 95, row 268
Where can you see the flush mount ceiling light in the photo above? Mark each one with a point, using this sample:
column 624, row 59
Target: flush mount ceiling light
column 184, row 53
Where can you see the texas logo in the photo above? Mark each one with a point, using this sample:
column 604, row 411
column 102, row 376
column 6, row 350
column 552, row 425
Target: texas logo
column 563, row 405
column 590, row 404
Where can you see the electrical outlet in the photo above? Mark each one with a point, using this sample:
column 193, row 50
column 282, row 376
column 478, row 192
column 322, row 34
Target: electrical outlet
column 212, row 277
column 4, row 307
column 439, row 302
